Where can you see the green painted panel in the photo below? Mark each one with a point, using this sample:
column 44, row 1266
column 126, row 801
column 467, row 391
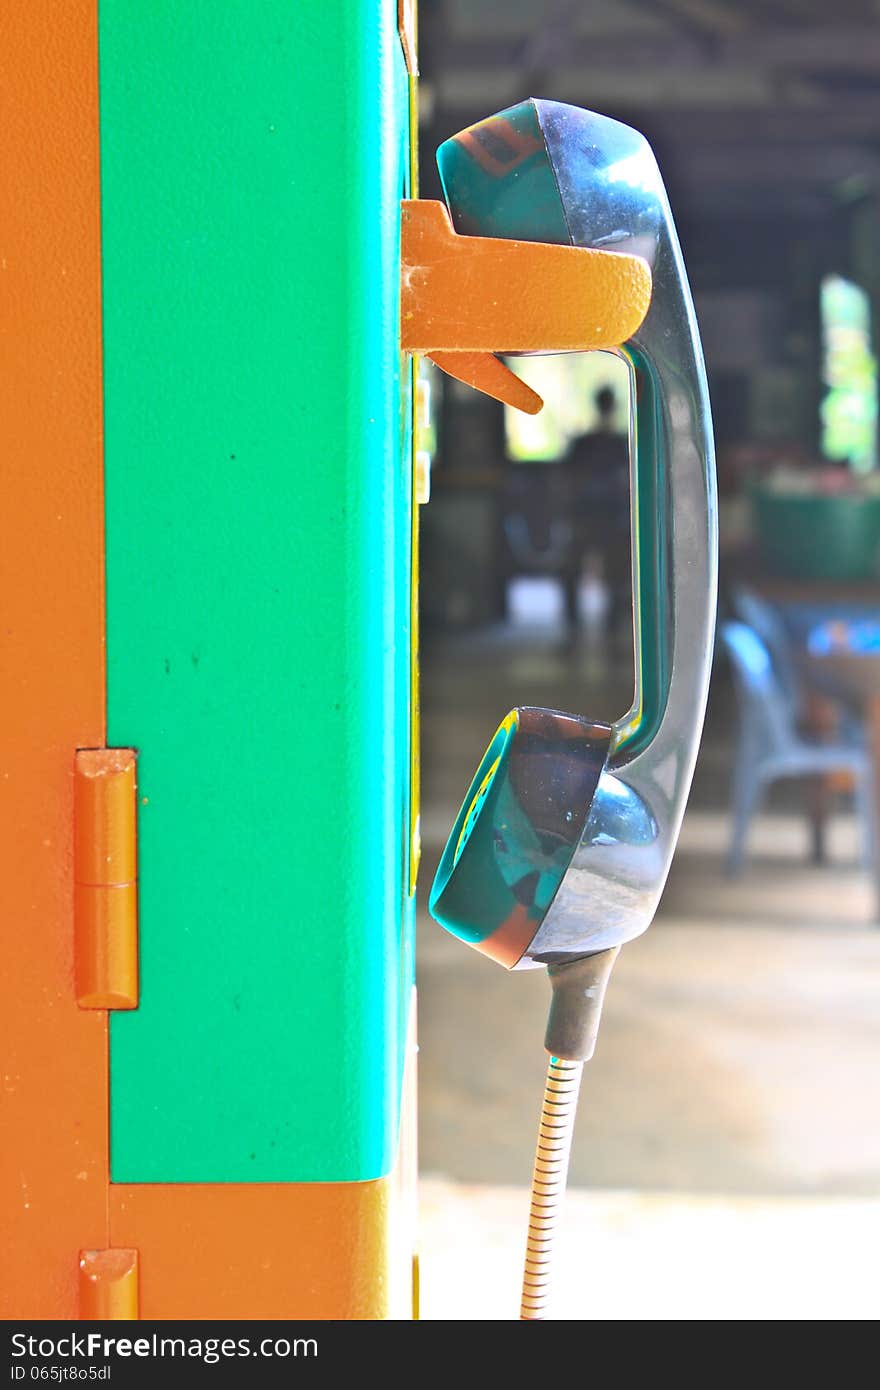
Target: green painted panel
column 258, row 494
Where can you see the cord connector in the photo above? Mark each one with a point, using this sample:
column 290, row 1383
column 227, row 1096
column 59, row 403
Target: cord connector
column 576, row 1007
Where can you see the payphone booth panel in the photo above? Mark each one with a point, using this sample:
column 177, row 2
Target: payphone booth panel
column 210, row 562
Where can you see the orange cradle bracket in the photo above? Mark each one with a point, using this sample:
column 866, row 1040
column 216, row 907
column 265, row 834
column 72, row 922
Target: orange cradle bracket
column 108, row 1285
column 105, row 878
column 466, row 298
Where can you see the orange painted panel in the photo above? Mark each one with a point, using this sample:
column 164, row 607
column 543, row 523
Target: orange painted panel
column 276, row 1250
column 53, row 1095
column 257, row 1250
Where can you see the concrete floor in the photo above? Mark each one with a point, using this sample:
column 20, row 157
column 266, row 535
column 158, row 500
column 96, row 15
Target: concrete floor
column 737, row 1065
column 632, row 1256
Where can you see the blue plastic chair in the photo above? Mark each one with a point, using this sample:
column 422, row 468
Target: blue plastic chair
column 764, row 620
column 770, row 746
column 760, row 615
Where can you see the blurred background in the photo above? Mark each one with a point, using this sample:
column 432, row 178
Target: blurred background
column 727, row 1160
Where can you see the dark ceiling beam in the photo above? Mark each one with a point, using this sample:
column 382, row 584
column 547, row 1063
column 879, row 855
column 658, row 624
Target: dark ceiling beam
column 852, row 47
column 547, row 45
column 852, row 118
column 450, row 54
column 720, row 96
column 733, row 208
column 710, row 17
column 791, row 49
column 849, row 119
column 827, row 165
column 604, row 86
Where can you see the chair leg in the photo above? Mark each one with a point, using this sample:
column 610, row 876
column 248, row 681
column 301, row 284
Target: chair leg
column 748, row 789
column 864, row 799
column 818, row 803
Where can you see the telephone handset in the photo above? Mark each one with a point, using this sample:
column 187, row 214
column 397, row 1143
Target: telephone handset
column 565, row 838
column 562, row 846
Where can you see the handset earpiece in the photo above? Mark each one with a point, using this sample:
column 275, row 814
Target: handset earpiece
column 519, row 825
column 565, row 839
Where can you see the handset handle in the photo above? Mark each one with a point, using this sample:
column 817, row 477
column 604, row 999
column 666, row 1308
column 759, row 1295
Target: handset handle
column 674, row 529
column 543, row 171
column 613, row 198
column 616, row 877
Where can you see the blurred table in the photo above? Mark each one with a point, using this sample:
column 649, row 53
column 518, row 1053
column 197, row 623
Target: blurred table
column 845, row 653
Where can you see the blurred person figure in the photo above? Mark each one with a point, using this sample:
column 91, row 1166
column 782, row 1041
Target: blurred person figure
column 596, row 470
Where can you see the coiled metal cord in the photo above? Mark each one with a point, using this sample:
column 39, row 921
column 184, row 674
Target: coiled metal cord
column 548, row 1181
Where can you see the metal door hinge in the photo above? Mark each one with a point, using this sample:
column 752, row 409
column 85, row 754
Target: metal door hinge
column 108, row 1285
column 105, row 878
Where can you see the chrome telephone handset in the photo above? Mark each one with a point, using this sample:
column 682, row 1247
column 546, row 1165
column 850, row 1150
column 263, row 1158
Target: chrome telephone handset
column 561, row 849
